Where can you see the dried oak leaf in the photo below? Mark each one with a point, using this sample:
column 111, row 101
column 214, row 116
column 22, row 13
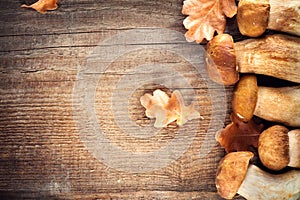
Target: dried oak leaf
column 42, row 5
column 168, row 109
column 239, row 135
column 206, row 17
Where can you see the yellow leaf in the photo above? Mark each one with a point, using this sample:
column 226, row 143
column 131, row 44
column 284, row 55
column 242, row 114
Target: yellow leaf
column 42, row 5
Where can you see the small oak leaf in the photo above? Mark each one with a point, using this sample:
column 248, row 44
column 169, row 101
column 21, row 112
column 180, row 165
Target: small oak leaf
column 168, row 109
column 42, row 6
column 238, row 135
column 206, row 17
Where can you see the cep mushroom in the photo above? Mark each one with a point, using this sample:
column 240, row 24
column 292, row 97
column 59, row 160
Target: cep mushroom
column 274, row 55
column 235, row 175
column 255, row 16
column 278, row 147
column 280, row 105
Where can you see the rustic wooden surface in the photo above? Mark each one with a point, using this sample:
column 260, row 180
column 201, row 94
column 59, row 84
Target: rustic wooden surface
column 41, row 154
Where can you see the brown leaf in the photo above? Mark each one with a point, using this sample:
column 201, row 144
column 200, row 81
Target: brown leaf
column 42, row 5
column 206, row 17
column 239, row 136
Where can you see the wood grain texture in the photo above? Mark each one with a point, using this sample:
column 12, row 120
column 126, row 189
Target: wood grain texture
column 41, row 153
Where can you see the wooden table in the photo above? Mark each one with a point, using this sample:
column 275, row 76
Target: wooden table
column 43, row 154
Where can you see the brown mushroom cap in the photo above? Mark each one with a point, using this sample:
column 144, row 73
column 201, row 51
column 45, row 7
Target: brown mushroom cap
column 273, row 147
column 252, row 17
column 221, row 60
column 245, row 97
column 232, row 172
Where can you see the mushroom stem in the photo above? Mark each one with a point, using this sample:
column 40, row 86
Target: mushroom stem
column 255, row 16
column 294, row 148
column 273, row 55
column 285, row 16
column 259, row 184
column 279, row 105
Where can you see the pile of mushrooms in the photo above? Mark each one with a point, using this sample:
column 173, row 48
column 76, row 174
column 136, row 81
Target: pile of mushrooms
column 262, row 142
column 277, row 146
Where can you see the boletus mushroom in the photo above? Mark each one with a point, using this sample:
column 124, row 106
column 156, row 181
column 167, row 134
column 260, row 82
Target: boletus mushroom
column 280, row 105
column 235, row 175
column 274, row 55
column 278, row 147
column 255, row 16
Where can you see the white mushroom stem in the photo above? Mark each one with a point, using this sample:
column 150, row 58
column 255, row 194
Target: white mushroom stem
column 284, row 16
column 279, row 105
column 260, row 185
column 274, row 55
column 294, row 148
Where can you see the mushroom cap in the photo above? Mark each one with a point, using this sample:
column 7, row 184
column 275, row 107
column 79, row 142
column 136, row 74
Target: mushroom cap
column 231, row 173
column 221, row 60
column 273, row 147
column 252, row 17
column 245, row 97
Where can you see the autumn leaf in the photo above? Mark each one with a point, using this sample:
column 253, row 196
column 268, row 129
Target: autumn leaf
column 168, row 109
column 239, row 136
column 206, row 17
column 42, row 5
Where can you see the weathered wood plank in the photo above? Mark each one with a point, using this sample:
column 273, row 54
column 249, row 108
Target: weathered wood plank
column 89, row 16
column 42, row 154
column 129, row 195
